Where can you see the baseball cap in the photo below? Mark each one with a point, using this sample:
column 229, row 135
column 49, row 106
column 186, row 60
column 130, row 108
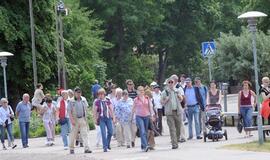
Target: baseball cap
column 188, row 79
column 77, row 89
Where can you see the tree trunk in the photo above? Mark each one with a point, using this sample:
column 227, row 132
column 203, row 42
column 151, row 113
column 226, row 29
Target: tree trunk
column 163, row 59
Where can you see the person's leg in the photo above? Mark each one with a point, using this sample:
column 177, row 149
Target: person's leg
column 84, row 133
column 203, row 119
column 141, row 126
column 160, row 114
column 27, row 124
column 72, row 137
column 118, row 133
column 2, row 133
column 48, row 132
column 23, row 133
column 98, row 136
column 127, row 134
column 197, row 121
column 182, row 127
column 190, row 122
column 64, row 133
column 146, row 121
column 52, row 125
column 249, row 118
column 109, row 132
column 133, row 130
column 172, row 130
column 177, row 122
column 103, row 133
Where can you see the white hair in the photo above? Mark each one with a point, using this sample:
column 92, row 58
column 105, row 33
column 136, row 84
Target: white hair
column 118, row 90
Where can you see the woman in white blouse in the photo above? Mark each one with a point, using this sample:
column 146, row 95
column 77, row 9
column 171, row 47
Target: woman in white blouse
column 48, row 112
column 6, row 118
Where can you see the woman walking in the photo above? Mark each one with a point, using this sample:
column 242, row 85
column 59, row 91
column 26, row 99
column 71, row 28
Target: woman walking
column 104, row 117
column 38, row 98
column 246, row 102
column 141, row 108
column 6, row 118
column 49, row 116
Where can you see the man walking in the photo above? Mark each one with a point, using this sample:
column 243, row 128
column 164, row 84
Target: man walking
column 23, row 111
column 78, row 117
column 203, row 93
column 193, row 101
column 171, row 99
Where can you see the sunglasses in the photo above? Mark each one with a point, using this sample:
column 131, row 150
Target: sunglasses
column 130, row 84
column 4, row 102
column 170, row 82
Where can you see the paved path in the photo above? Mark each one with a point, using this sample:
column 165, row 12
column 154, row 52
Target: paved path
column 191, row 150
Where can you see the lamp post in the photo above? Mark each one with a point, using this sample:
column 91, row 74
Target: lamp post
column 3, row 58
column 251, row 19
column 34, row 61
column 60, row 10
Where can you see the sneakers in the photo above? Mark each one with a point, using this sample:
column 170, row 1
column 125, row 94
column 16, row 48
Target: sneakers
column 87, row 151
column 146, row 149
column 109, row 147
column 174, row 146
column 4, row 147
column 71, row 151
column 66, row 148
column 199, row 137
column 181, row 140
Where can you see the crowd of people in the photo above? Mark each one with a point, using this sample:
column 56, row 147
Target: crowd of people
column 126, row 113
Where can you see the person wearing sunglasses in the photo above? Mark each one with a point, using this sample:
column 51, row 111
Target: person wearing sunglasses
column 6, row 118
column 132, row 93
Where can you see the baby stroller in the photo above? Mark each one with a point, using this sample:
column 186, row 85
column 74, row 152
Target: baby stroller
column 214, row 123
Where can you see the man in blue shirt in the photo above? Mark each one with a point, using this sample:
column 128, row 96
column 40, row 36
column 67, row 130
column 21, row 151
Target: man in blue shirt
column 23, row 111
column 203, row 92
column 193, row 102
column 95, row 89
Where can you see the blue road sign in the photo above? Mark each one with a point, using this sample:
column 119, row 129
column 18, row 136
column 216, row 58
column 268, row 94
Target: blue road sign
column 208, row 48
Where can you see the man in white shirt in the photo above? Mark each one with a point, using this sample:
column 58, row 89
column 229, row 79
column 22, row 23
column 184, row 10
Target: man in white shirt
column 158, row 106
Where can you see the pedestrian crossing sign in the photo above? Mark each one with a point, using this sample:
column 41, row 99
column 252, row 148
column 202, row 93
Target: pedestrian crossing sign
column 208, row 48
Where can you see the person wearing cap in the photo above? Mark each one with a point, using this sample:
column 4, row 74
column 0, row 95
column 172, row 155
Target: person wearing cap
column 194, row 103
column 77, row 108
column 63, row 117
column 171, row 100
column 158, row 107
column 203, row 92
column 182, row 114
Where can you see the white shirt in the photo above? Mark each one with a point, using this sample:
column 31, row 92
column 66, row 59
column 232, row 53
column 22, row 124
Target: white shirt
column 4, row 114
column 156, row 98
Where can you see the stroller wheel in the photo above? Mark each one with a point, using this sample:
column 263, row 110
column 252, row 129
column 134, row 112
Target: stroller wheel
column 225, row 134
column 204, row 136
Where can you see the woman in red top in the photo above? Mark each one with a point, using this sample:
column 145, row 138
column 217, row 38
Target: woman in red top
column 246, row 102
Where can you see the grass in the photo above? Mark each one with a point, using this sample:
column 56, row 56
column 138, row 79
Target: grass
column 251, row 146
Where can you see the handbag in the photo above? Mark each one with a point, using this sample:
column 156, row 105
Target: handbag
column 240, row 124
column 11, row 118
column 62, row 121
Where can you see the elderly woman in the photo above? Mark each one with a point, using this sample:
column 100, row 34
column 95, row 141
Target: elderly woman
column 49, row 116
column 119, row 127
column 6, row 118
column 103, row 114
column 246, row 102
column 142, row 109
column 63, row 117
column 123, row 115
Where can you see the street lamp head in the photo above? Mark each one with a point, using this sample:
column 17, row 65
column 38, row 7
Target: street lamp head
column 5, row 54
column 252, row 14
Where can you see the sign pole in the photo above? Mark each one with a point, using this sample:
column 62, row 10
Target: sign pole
column 209, row 65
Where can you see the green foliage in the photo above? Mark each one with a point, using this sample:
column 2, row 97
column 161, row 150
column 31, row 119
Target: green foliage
column 234, row 56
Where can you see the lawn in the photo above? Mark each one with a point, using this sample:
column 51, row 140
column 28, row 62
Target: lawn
column 251, row 146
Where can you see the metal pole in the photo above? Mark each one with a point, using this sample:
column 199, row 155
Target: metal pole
column 33, row 43
column 5, row 81
column 57, row 47
column 63, row 53
column 252, row 25
column 209, row 65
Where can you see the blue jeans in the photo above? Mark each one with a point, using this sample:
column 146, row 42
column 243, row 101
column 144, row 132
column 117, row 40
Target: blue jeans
column 64, row 132
column 246, row 113
column 193, row 111
column 9, row 131
column 24, row 128
column 106, row 139
column 142, row 124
